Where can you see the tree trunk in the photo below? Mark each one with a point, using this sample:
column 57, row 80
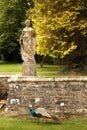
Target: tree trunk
column 42, row 61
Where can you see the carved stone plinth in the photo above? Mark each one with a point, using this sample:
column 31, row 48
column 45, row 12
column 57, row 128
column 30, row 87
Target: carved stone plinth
column 29, row 69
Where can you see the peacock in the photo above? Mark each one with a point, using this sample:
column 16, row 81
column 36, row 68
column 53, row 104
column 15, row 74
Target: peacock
column 43, row 114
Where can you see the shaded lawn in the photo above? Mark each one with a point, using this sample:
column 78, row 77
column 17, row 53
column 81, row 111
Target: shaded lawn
column 19, row 124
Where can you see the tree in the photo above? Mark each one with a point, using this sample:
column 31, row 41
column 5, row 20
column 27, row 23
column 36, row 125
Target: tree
column 12, row 15
column 61, row 27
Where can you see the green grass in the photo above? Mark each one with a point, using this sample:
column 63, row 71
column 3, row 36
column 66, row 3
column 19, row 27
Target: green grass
column 10, row 68
column 16, row 68
column 19, row 124
column 47, row 70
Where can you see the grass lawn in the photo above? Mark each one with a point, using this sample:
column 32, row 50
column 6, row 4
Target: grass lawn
column 16, row 68
column 22, row 124
column 10, row 67
column 47, row 70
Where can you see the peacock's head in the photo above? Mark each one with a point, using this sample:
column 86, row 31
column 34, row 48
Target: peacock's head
column 30, row 109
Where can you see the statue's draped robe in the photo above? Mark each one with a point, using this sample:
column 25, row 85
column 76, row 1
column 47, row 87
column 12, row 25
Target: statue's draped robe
column 28, row 44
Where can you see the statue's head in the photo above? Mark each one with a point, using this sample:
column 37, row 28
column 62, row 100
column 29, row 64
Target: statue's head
column 27, row 22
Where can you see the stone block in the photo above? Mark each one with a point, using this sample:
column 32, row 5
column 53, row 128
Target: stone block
column 29, row 69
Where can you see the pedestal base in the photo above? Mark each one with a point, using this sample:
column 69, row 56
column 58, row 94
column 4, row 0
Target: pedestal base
column 29, row 69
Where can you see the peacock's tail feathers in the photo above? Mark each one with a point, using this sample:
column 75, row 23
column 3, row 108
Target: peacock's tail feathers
column 55, row 118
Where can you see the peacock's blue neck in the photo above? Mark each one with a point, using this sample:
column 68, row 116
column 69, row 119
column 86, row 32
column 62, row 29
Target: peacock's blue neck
column 32, row 112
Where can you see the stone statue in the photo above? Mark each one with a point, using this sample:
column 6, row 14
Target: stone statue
column 28, row 48
column 28, row 43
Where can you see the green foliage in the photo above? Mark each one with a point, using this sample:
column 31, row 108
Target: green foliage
column 60, row 27
column 12, row 14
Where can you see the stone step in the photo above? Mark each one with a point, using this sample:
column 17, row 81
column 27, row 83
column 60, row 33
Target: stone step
column 2, row 103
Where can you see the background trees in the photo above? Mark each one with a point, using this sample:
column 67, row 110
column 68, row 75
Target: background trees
column 12, row 15
column 61, row 28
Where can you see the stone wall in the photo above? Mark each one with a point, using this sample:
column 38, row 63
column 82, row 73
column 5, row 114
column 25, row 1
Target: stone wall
column 58, row 95
column 4, row 87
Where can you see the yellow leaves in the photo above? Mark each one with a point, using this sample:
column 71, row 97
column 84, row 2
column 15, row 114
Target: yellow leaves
column 69, row 16
column 63, row 43
column 54, row 53
column 56, row 23
column 68, row 50
column 68, row 20
column 83, row 24
column 67, row 1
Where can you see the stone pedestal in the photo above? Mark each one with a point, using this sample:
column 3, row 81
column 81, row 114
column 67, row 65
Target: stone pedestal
column 29, row 69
